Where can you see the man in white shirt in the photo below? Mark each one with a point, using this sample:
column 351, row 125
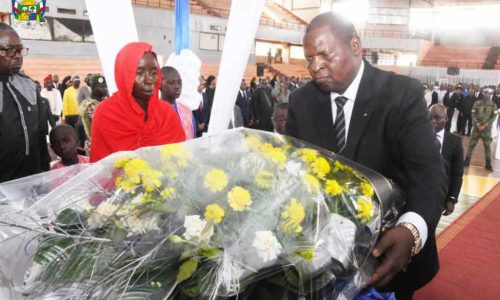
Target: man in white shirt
column 54, row 97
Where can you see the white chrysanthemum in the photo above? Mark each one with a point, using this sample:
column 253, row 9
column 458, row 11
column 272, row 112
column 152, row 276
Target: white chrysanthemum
column 268, row 247
column 106, row 209
column 101, row 215
column 141, row 225
column 196, row 228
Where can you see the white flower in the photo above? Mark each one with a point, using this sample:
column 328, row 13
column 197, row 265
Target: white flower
column 106, row 209
column 141, row 225
column 196, row 228
column 268, row 247
column 101, row 215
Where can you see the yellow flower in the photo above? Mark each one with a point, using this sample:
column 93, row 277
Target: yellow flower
column 293, row 215
column 216, row 180
column 122, row 162
column 338, row 166
column 253, row 142
column 307, row 254
column 312, row 183
column 365, row 209
column 137, row 171
column 239, row 198
column 275, row 154
column 308, row 155
column 168, row 193
column 179, row 154
column 320, row 167
column 264, row 179
column 214, row 212
column 333, row 188
column 366, row 189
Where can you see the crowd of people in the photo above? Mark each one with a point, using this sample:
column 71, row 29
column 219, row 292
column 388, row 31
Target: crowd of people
column 477, row 109
column 370, row 116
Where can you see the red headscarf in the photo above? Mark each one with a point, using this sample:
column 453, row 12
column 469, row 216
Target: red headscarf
column 118, row 123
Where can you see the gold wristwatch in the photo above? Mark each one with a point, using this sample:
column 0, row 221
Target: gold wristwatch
column 417, row 241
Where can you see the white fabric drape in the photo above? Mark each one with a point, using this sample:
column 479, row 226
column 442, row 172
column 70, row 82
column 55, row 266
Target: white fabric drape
column 113, row 25
column 240, row 38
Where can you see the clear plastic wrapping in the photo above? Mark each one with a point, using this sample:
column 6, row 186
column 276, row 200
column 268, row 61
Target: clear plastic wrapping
column 244, row 214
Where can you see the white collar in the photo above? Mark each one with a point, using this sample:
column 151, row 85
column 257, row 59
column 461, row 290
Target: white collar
column 352, row 90
column 440, row 134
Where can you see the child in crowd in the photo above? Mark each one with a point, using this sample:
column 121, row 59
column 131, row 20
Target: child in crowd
column 64, row 142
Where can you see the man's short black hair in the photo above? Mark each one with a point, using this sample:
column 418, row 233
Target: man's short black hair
column 61, row 128
column 168, row 70
column 339, row 26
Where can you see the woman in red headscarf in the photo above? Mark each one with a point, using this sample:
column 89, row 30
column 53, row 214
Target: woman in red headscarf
column 134, row 117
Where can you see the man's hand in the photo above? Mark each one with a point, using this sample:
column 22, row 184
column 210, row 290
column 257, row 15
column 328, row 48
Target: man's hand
column 449, row 207
column 395, row 247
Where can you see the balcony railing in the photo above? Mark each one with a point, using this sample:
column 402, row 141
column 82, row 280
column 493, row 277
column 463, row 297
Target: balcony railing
column 218, row 12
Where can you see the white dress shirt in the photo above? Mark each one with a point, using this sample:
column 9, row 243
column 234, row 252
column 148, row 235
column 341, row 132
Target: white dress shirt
column 351, row 93
column 440, row 137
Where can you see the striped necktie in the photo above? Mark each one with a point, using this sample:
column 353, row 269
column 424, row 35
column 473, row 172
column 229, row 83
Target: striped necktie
column 340, row 135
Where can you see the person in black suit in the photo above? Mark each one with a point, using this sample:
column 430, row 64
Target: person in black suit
column 453, row 154
column 496, row 97
column 242, row 101
column 384, row 126
column 465, row 110
column 263, row 107
column 435, row 96
column 451, row 102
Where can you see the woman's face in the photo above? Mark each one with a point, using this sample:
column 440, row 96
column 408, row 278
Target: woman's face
column 146, row 77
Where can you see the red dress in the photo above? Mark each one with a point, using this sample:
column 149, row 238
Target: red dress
column 118, row 122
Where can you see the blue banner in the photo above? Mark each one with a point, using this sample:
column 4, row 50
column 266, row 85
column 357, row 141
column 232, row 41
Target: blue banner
column 181, row 25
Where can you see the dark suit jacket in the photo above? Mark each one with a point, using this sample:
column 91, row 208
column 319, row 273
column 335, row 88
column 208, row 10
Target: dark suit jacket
column 434, row 98
column 243, row 104
column 263, row 106
column 453, row 154
column 389, row 132
column 495, row 99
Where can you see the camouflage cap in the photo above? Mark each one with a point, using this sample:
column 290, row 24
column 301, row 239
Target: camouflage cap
column 97, row 79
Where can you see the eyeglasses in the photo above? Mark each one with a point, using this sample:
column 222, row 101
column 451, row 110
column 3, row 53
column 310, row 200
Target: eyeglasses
column 13, row 52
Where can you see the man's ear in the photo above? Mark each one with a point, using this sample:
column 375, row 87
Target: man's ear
column 355, row 45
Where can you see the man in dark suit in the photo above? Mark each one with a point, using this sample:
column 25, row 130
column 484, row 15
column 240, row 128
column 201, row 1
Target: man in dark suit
column 435, row 95
column 242, row 101
column 496, row 97
column 453, row 154
column 381, row 121
column 465, row 110
column 451, row 102
column 263, row 107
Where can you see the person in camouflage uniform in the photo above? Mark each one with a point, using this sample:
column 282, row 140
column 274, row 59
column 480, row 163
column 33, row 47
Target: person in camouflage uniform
column 87, row 107
column 483, row 115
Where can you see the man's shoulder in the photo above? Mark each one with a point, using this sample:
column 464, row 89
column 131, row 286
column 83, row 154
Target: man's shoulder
column 299, row 94
column 455, row 139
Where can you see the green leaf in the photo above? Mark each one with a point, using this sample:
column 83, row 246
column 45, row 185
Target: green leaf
column 210, row 252
column 69, row 217
column 175, row 239
column 187, row 254
column 187, row 270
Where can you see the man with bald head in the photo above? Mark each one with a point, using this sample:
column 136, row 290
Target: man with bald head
column 453, row 154
column 380, row 120
column 23, row 146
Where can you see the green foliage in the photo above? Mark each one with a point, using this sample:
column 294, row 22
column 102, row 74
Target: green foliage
column 187, row 269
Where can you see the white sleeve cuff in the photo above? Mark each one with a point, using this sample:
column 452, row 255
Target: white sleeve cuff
column 417, row 221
